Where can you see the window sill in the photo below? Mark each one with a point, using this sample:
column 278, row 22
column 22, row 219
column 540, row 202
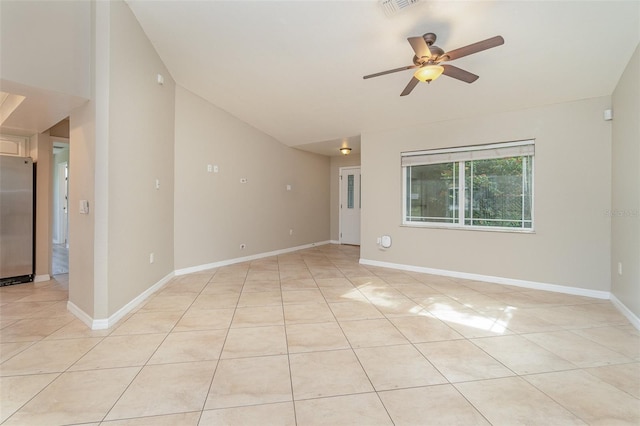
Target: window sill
column 468, row 228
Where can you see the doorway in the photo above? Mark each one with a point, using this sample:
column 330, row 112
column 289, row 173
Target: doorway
column 60, row 234
column 350, row 205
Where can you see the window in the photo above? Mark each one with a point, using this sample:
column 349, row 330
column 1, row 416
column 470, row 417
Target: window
column 350, row 191
column 486, row 186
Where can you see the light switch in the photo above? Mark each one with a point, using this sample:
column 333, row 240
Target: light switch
column 84, row 207
column 157, row 183
column 288, row 187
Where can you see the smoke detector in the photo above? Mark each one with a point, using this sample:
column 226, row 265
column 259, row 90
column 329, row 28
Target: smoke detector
column 391, row 7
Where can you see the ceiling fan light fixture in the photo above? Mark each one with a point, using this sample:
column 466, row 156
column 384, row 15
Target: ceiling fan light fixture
column 345, row 150
column 428, row 73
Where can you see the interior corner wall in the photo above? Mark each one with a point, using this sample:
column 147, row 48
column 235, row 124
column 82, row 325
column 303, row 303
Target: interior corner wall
column 140, row 165
column 88, row 179
column 572, row 190
column 334, row 177
column 215, row 213
column 625, row 201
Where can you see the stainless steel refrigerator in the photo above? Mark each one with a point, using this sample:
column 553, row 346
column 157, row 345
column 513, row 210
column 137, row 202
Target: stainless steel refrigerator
column 16, row 219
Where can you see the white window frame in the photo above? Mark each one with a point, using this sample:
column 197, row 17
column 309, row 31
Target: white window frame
column 460, row 155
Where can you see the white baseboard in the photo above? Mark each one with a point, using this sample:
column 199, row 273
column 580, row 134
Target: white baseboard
column 41, row 278
column 80, row 314
column 108, row 322
column 334, row 242
column 597, row 294
column 199, row 268
column 633, row 318
column 105, row 323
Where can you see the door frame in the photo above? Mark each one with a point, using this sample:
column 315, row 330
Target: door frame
column 63, row 203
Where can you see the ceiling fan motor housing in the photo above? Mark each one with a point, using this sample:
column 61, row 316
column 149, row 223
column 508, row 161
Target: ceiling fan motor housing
column 429, row 38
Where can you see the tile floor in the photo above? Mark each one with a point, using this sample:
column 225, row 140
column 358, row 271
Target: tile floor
column 314, row 338
column 60, row 259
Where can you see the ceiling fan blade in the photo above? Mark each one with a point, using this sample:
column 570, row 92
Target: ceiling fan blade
column 412, row 83
column 408, row 67
column 474, row 48
column 459, row 73
column 420, row 47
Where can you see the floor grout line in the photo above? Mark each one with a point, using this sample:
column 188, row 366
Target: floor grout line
column 328, row 263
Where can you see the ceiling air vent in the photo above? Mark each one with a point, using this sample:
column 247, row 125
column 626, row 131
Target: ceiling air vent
column 391, row 7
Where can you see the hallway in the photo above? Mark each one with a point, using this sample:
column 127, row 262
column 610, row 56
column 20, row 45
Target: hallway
column 60, row 259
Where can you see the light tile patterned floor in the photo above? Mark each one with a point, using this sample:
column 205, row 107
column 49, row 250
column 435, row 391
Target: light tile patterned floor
column 314, row 338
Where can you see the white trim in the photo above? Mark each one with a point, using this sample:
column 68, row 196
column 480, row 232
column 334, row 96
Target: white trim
column 334, row 242
column 80, row 314
column 133, row 303
column 403, row 202
column 105, row 323
column 41, row 278
column 227, row 262
column 20, row 146
column 442, row 225
column 468, row 153
column 597, row 294
column 633, row 318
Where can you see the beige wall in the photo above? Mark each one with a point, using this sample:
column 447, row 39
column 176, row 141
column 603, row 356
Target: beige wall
column 88, row 162
column 141, row 131
column 334, row 187
column 625, row 205
column 121, row 142
column 61, row 129
column 82, row 178
column 215, row 213
column 571, row 243
column 42, row 155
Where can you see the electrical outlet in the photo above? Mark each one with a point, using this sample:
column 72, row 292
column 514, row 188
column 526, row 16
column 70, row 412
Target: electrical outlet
column 290, row 231
column 619, row 268
column 152, row 258
column 243, row 246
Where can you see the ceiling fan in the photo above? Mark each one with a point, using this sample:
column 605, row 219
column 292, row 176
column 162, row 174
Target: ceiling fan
column 428, row 59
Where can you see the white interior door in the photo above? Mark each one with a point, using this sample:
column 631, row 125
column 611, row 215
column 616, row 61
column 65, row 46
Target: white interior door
column 350, row 204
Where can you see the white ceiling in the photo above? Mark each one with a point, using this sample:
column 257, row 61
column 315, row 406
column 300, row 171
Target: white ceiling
column 293, row 69
column 40, row 109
